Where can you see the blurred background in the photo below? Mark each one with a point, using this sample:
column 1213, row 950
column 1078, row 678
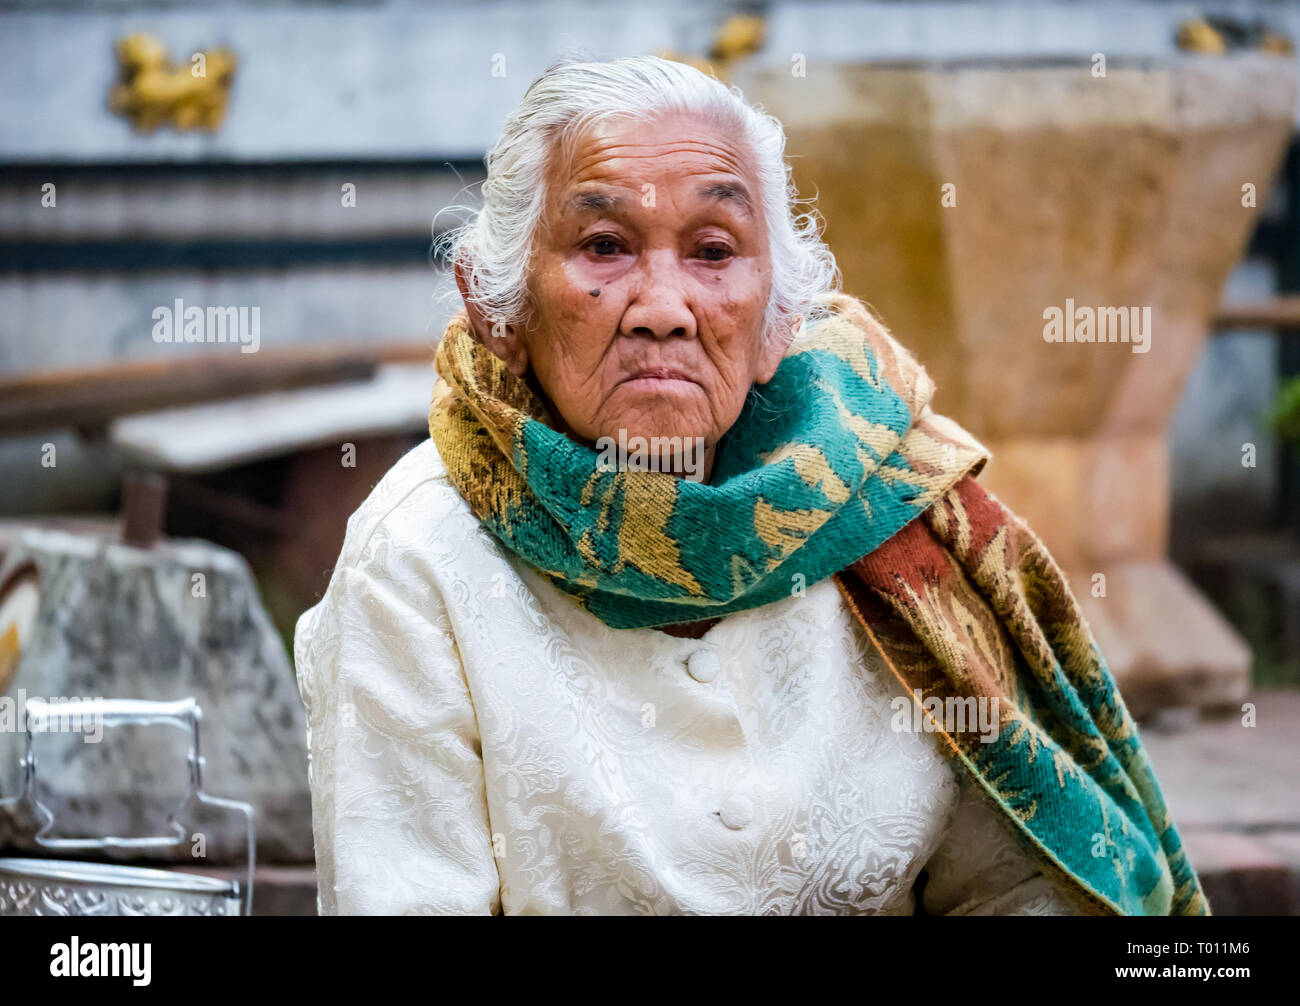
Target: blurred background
column 219, row 301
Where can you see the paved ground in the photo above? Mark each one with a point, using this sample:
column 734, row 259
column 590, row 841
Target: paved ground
column 1234, row 791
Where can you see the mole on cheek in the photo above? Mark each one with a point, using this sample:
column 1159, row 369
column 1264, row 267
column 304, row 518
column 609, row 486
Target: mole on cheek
column 595, row 292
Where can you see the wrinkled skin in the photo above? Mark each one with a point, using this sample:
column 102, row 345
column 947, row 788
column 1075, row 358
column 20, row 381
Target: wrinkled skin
column 651, row 274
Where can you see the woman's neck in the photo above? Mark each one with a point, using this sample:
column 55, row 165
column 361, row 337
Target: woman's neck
column 689, row 630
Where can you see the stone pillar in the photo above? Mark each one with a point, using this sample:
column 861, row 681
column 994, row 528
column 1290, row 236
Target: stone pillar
column 1117, row 191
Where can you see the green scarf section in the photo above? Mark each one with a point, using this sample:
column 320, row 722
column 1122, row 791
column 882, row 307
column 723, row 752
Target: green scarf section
column 829, row 459
column 838, row 467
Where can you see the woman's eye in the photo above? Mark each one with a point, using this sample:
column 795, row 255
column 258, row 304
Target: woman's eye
column 604, row 246
column 715, row 253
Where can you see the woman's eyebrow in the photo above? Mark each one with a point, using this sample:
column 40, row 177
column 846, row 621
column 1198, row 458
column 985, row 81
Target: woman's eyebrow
column 728, row 191
column 593, row 202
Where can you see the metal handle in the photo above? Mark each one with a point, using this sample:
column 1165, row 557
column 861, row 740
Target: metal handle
column 183, row 713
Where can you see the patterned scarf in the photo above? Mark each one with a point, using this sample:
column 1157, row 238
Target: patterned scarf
column 825, row 473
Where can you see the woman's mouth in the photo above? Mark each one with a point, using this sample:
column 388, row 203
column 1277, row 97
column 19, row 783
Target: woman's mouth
column 657, row 374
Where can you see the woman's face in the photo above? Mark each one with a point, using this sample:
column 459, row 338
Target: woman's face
column 650, row 279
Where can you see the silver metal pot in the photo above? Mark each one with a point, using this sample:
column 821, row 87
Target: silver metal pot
column 65, row 887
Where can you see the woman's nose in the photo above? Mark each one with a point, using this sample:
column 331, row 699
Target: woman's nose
column 659, row 307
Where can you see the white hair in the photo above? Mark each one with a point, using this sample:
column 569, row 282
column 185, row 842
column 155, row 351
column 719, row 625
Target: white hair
column 495, row 246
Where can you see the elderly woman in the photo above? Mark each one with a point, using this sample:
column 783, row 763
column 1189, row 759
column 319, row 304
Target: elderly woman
column 691, row 604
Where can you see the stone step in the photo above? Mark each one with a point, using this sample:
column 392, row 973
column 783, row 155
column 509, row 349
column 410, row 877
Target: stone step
column 1234, row 792
column 1247, row 874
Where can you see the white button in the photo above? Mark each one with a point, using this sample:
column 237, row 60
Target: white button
column 737, row 812
column 703, row 665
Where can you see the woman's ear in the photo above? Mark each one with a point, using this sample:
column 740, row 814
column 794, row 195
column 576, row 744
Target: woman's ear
column 774, row 348
column 502, row 339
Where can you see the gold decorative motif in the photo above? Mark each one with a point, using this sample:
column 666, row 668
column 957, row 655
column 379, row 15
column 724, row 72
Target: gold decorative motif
column 155, row 92
column 1221, row 34
column 1196, row 35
